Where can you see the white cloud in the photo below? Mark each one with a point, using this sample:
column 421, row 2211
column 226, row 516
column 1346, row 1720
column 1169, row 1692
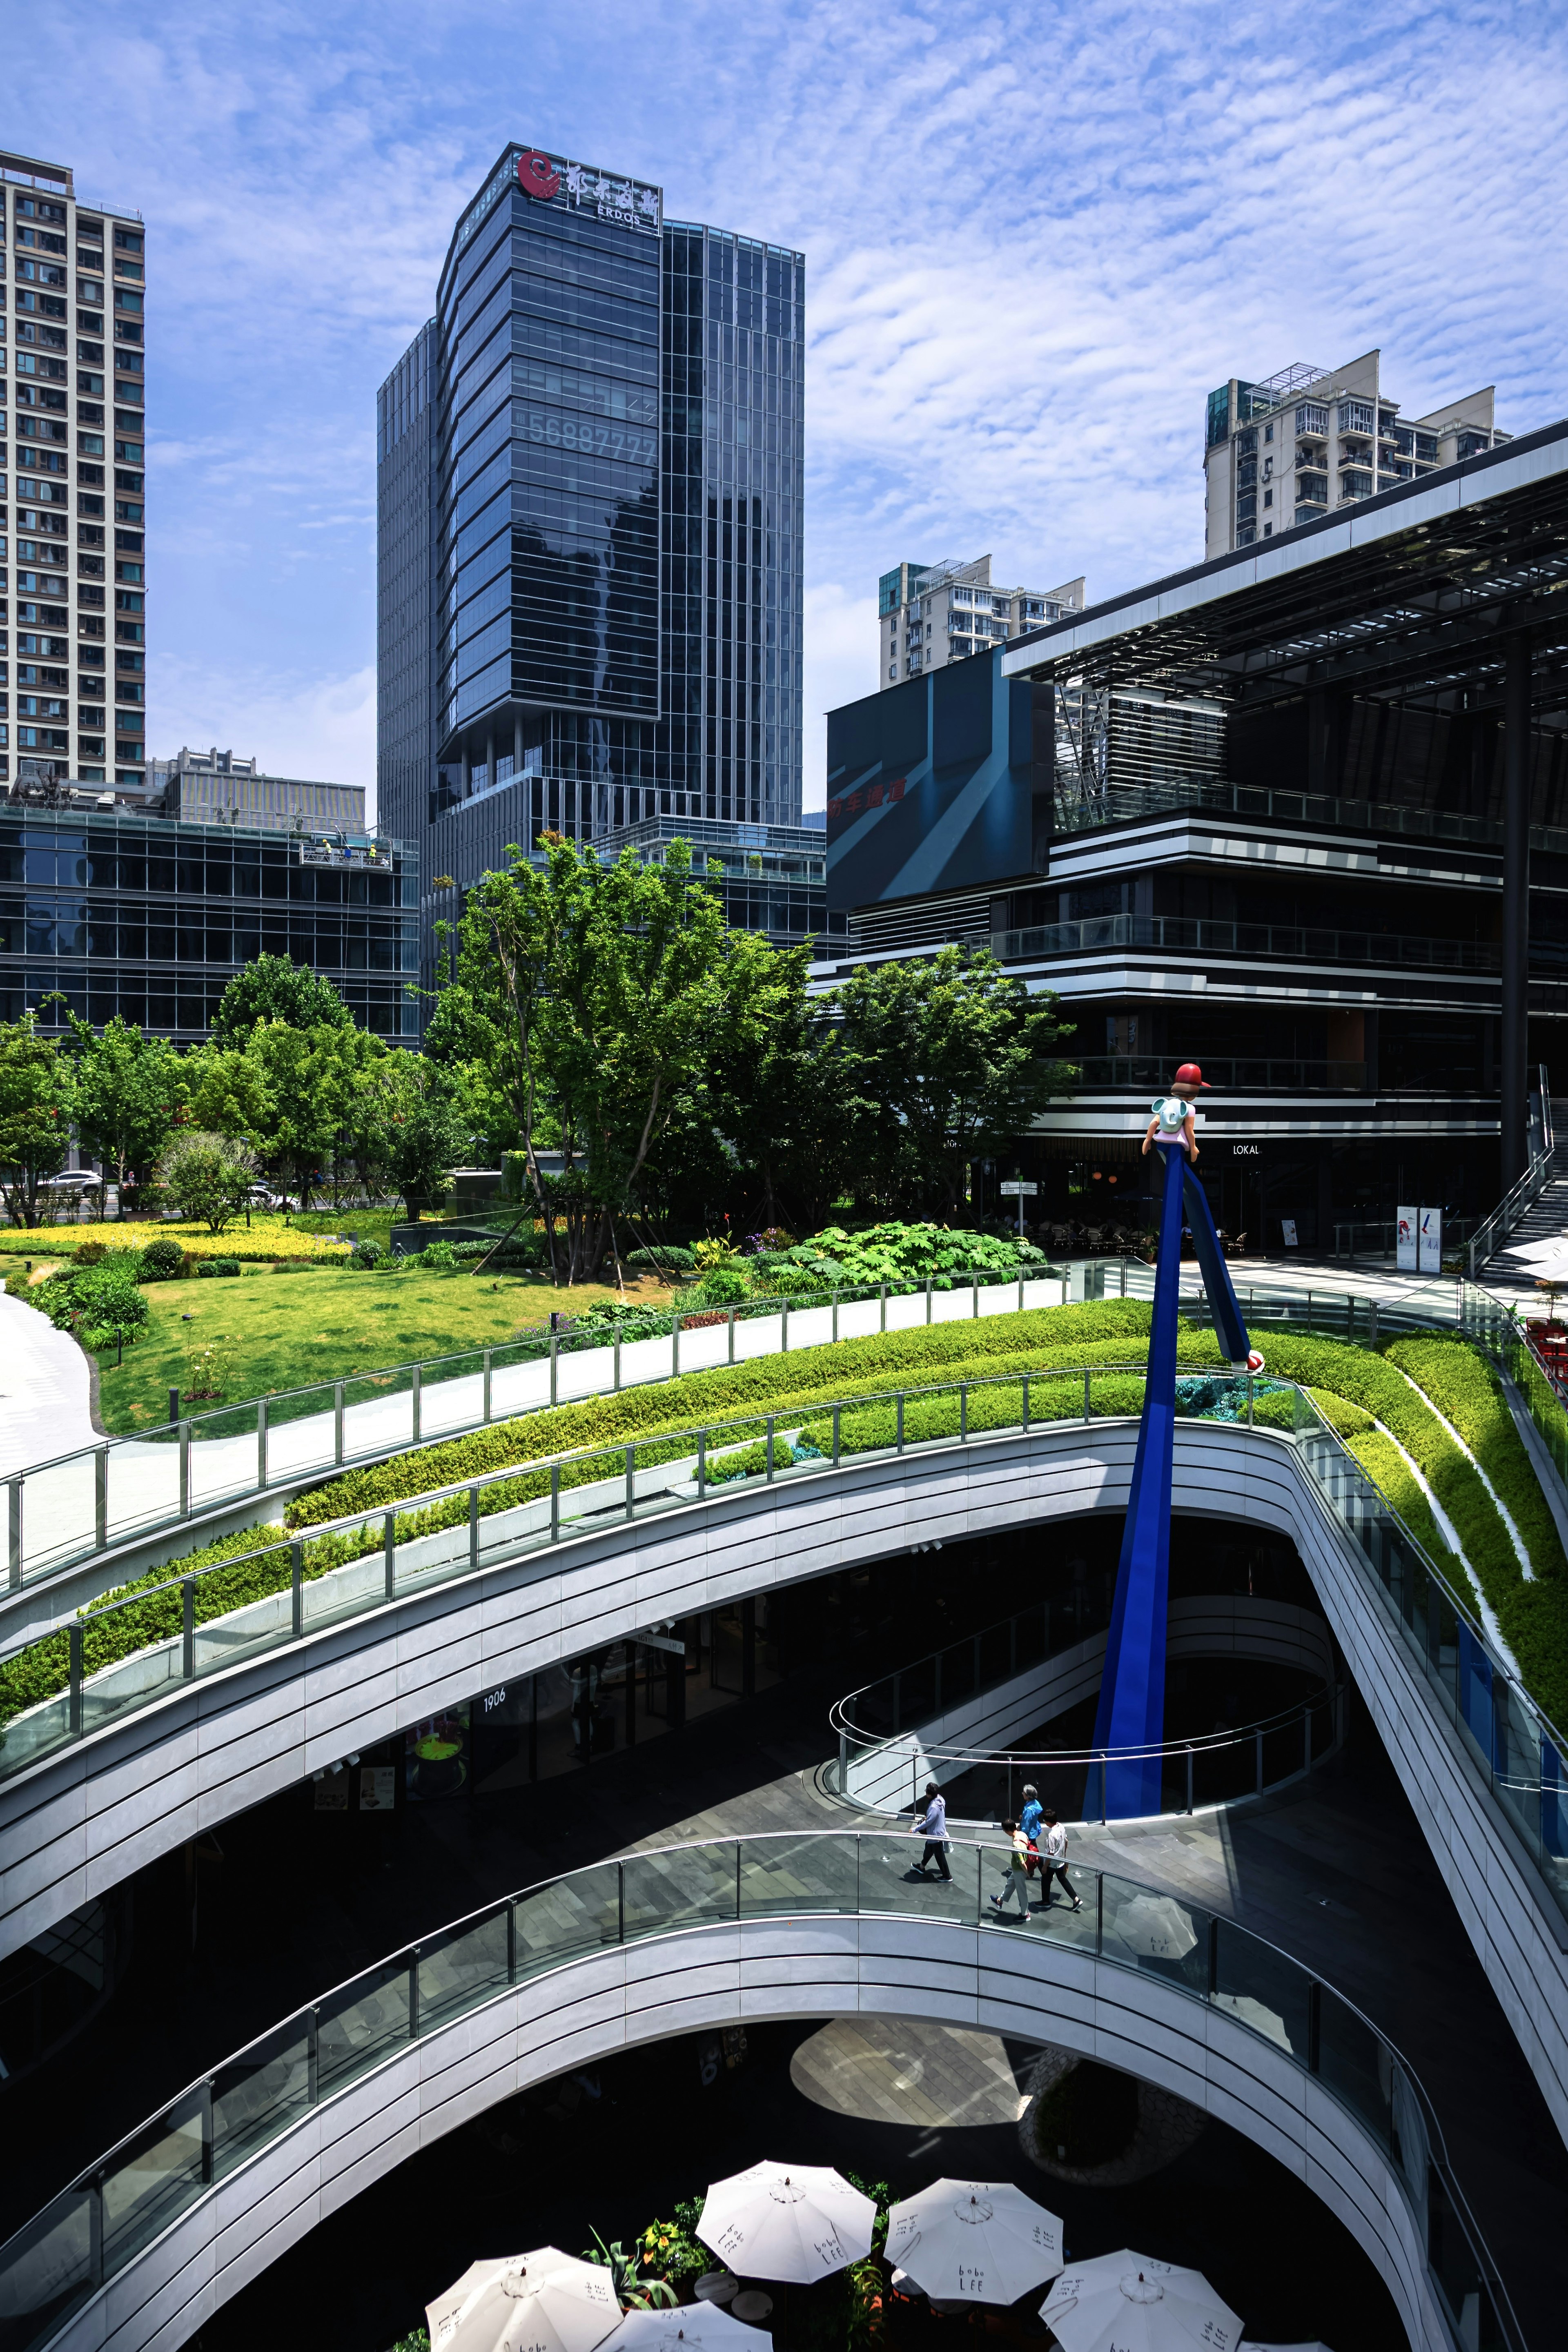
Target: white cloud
column 1035, row 240
column 323, row 728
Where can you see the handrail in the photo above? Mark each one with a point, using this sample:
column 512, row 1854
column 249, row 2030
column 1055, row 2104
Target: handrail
column 370, row 1560
column 1521, row 1195
column 842, row 1716
column 259, row 1423
column 111, row 2212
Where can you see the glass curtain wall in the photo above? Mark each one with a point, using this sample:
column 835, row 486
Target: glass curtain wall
column 151, row 921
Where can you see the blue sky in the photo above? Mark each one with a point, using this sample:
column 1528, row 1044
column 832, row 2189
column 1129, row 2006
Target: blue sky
column 1036, row 236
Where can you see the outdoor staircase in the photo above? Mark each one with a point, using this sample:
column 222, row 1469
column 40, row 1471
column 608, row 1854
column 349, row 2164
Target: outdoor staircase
column 1517, row 1263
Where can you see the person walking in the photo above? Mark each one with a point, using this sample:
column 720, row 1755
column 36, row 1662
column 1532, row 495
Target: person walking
column 1015, row 1886
column 932, row 1827
column 1029, row 1822
column 1054, row 1862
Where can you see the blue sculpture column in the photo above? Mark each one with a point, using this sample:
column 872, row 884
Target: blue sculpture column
column 1131, row 1711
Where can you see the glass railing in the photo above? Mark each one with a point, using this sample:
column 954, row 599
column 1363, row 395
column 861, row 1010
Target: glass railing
column 888, row 1749
column 1126, row 804
column 84, row 2238
column 121, row 1657
column 64, row 1511
column 1205, row 938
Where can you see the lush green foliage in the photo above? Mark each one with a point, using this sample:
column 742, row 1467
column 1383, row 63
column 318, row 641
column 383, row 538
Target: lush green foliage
column 892, row 1251
column 1533, row 1617
column 206, row 1176
column 600, row 1000
column 938, row 1352
column 1469, row 1393
column 162, row 1259
column 949, row 1058
column 99, row 1302
column 35, row 1117
column 275, row 988
column 127, row 1093
column 669, row 1257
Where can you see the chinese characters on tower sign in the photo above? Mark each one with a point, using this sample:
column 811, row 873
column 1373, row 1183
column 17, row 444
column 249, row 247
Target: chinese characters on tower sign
column 579, row 188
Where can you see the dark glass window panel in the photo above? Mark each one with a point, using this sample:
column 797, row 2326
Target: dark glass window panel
column 161, row 942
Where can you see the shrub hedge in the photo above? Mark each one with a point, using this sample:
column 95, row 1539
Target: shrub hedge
column 1469, row 1393
column 1533, row 1618
column 890, row 1359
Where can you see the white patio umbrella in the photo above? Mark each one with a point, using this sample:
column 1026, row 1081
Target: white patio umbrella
column 541, row 2301
column 694, row 2327
column 790, row 2221
column 974, row 2241
column 1129, row 2302
column 1156, row 1925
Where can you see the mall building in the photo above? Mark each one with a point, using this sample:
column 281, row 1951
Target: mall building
column 1300, row 816
column 590, row 485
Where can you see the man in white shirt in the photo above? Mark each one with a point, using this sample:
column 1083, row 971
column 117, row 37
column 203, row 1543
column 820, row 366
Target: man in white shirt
column 932, row 1827
column 1054, row 1862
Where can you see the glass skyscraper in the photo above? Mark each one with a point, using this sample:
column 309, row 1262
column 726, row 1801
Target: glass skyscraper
column 590, row 482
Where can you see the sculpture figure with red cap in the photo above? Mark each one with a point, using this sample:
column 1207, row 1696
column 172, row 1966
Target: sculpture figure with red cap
column 1173, row 1112
column 1130, row 1719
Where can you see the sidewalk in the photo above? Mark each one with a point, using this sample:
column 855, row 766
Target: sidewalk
column 44, row 1387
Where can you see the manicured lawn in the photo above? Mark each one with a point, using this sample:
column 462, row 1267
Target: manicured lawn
column 283, row 1330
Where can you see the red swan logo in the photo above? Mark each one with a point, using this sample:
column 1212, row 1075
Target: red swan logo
column 537, row 176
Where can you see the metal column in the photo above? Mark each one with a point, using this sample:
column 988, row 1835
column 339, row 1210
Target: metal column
column 1515, row 905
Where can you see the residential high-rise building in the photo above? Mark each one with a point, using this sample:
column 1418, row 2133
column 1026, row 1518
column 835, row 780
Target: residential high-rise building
column 931, row 613
column 1286, row 451
column 77, row 701
column 591, row 476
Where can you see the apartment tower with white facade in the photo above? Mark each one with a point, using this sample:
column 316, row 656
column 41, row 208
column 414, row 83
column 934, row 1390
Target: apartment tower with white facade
column 931, row 613
column 72, row 449
column 1309, row 440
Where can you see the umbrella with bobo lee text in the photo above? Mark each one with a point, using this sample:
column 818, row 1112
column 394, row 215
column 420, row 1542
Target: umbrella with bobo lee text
column 1129, row 2302
column 696, row 2327
column 540, row 2302
column 975, row 2242
column 790, row 2221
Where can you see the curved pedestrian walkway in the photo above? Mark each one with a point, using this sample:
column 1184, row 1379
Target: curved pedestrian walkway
column 45, row 1390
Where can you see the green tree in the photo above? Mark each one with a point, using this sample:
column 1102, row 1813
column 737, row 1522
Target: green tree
column 35, row 1116
column 275, row 988
column 607, row 998
column 207, row 1176
column 949, row 1058
column 307, row 1079
column 790, row 1109
column 420, row 1116
column 127, row 1094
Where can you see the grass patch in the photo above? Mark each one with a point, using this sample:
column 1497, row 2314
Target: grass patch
column 319, row 1323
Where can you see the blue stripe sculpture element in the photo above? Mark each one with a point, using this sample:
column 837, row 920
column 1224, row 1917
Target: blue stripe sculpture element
column 1131, row 1712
